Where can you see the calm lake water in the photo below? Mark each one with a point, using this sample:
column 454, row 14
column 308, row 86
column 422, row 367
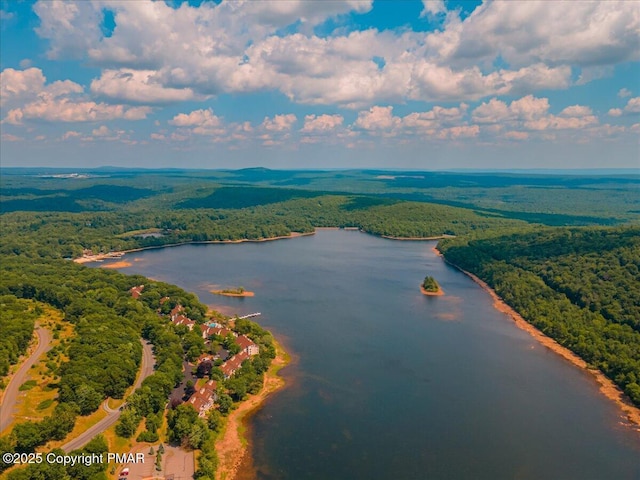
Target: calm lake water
column 389, row 384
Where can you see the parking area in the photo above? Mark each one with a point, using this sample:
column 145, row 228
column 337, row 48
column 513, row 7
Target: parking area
column 177, row 464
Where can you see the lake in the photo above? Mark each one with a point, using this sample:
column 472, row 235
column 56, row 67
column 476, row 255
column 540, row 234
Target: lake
column 387, row 383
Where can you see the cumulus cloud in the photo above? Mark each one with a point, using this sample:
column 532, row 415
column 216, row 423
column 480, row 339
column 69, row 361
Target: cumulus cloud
column 53, row 109
column 377, row 118
column 197, row 118
column 138, row 86
column 531, row 113
column 59, row 101
column 242, row 47
column 432, row 7
column 321, row 123
column 279, row 123
column 16, row 85
column 103, row 131
column 580, row 33
column 615, row 112
column 200, row 122
column 576, row 111
column 633, row 105
column 70, row 134
column 624, row 93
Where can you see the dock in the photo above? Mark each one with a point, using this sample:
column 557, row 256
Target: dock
column 251, row 315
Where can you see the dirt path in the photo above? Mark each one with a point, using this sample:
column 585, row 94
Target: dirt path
column 85, row 437
column 11, row 392
column 231, row 446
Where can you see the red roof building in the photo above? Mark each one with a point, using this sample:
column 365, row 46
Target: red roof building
column 232, row 365
column 136, row 291
column 247, row 345
column 204, row 398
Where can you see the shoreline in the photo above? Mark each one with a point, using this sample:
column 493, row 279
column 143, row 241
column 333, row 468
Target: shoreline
column 121, row 253
column 437, row 293
column 417, row 239
column 609, row 389
column 232, row 446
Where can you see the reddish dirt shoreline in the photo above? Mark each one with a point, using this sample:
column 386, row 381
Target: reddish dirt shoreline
column 607, row 387
column 115, row 255
column 231, row 446
column 439, row 293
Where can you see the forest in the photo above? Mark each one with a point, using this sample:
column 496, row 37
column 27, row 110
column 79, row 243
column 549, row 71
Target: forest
column 579, row 286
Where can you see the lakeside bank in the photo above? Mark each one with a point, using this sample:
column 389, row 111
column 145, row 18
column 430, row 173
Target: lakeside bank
column 113, row 255
column 232, row 446
column 606, row 386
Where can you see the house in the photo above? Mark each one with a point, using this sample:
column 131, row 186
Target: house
column 221, row 331
column 247, row 345
column 175, row 311
column 204, row 398
column 136, row 291
column 182, row 320
column 232, row 365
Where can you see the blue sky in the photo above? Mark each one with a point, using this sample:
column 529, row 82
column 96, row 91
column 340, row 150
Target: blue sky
column 427, row 84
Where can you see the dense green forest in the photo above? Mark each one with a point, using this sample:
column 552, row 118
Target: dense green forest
column 16, row 324
column 551, row 199
column 580, row 286
column 59, row 235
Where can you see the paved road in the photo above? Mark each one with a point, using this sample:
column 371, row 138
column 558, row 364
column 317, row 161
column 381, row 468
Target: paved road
column 146, row 369
column 11, row 393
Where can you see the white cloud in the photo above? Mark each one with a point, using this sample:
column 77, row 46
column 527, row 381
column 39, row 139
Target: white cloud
column 615, row 112
column 377, row 118
column 624, row 93
column 579, row 33
column 103, row 131
column 432, row 7
column 633, row 105
column 16, row 85
column 576, row 111
column 241, row 47
column 197, row 118
column 53, row 109
column 279, row 123
column 70, row 134
column 531, row 113
column 138, row 86
column 71, row 27
column 60, row 101
column 321, row 123
column 463, row 131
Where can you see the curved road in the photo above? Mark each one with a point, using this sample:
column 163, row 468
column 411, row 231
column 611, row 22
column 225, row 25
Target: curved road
column 11, row 393
column 146, row 369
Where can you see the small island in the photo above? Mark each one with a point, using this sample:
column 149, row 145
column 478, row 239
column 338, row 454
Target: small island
column 234, row 292
column 430, row 287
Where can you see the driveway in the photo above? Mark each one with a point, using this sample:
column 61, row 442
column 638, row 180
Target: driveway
column 11, row 393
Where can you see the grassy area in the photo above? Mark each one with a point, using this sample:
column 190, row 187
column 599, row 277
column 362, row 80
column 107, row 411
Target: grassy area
column 40, row 400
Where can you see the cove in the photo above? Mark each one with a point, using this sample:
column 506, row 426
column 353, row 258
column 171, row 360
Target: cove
column 390, row 384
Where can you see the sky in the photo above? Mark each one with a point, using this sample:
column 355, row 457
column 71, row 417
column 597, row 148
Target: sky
column 427, row 85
